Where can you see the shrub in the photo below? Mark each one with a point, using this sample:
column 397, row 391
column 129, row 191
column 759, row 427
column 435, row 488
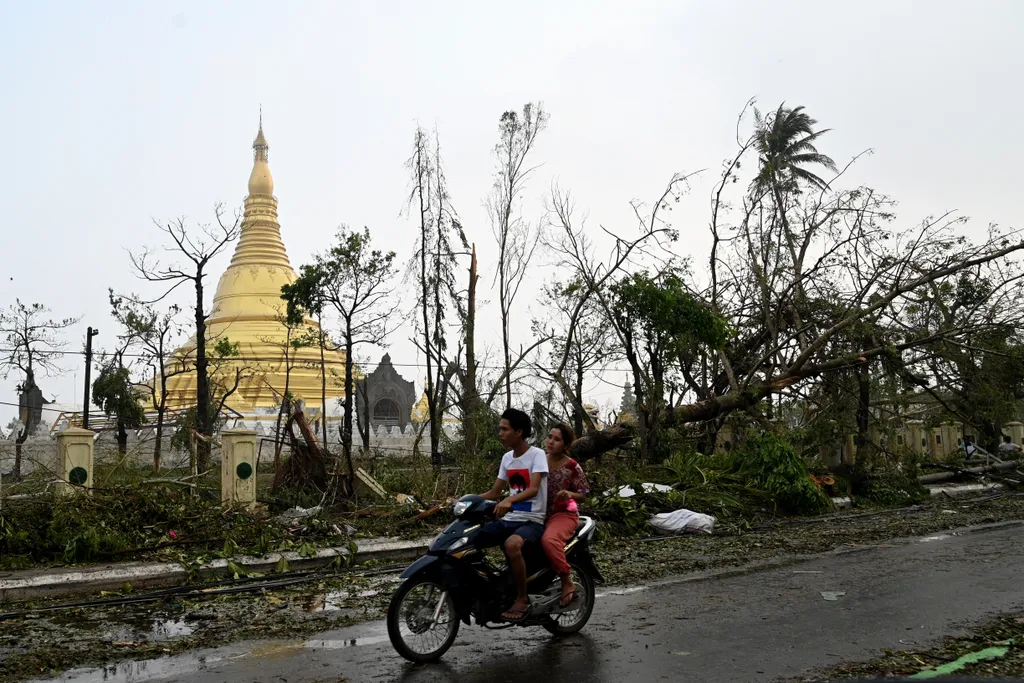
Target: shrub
column 771, row 464
column 891, row 487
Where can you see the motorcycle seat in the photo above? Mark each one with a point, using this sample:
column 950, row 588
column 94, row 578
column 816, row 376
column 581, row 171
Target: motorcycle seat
column 581, row 524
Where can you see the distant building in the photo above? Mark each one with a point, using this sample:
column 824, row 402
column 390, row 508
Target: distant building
column 391, row 396
column 627, row 408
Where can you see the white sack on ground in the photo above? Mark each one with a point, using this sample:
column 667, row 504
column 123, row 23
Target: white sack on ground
column 683, row 522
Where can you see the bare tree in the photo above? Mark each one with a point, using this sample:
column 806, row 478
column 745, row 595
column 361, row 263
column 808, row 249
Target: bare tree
column 33, row 344
column 154, row 333
column 590, row 344
column 362, row 394
column 197, row 248
column 470, row 399
column 434, row 265
column 515, row 238
column 311, row 299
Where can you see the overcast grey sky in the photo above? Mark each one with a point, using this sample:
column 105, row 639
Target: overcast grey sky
column 114, row 113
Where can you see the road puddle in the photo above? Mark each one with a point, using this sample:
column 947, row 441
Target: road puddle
column 939, row 537
column 338, row 644
column 137, row 671
column 148, row 630
column 338, row 600
column 170, row 628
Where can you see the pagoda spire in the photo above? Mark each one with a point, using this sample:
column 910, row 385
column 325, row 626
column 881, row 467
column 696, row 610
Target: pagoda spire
column 260, row 180
column 260, row 148
column 260, row 244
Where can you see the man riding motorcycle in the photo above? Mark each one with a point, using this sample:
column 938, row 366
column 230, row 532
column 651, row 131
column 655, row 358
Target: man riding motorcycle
column 454, row 582
column 520, row 516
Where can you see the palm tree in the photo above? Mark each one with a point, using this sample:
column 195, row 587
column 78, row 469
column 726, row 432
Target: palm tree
column 784, row 141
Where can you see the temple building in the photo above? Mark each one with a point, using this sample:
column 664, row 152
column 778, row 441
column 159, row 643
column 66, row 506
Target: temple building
column 390, row 397
column 248, row 311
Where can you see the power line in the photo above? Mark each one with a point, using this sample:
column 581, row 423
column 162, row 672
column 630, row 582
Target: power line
column 280, row 359
column 17, row 405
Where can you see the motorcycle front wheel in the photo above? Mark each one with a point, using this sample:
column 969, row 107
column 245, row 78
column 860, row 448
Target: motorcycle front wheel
column 422, row 623
column 568, row 623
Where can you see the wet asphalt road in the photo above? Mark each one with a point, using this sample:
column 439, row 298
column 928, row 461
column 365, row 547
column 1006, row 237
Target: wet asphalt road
column 754, row 627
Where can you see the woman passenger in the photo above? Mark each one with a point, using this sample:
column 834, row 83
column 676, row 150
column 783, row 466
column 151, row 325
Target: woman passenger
column 567, row 487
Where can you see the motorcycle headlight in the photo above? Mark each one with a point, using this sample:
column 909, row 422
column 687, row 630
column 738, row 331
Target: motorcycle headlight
column 458, row 544
column 460, row 507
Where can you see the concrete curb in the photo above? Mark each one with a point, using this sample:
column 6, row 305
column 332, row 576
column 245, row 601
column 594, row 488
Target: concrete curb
column 68, row 581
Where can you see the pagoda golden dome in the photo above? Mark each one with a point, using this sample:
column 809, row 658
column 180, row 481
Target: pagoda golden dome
column 248, row 311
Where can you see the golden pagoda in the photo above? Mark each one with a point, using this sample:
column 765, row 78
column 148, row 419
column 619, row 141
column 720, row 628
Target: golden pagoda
column 248, row 311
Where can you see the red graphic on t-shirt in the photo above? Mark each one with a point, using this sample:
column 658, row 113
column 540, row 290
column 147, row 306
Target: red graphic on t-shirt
column 519, row 481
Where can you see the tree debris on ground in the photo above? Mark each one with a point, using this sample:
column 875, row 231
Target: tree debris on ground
column 992, row 649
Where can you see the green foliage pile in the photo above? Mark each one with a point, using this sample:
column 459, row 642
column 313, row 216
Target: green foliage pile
column 126, row 522
column 890, row 487
column 765, row 476
column 769, row 463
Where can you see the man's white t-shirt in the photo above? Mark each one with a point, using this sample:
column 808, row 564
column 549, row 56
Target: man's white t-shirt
column 517, row 472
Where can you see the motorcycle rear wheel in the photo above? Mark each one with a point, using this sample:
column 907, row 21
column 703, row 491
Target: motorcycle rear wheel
column 410, row 617
column 568, row 623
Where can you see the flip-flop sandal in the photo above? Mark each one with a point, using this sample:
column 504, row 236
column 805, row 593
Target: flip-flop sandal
column 565, row 603
column 523, row 613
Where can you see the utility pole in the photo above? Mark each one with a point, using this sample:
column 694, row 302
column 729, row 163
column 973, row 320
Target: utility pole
column 470, row 396
column 89, row 334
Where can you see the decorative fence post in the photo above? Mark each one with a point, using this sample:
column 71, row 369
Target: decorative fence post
column 75, row 452
column 238, row 467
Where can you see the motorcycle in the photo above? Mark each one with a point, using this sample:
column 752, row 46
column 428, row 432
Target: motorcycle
column 454, row 582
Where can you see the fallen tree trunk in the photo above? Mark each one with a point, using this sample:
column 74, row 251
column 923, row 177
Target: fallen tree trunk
column 598, row 442
column 946, row 476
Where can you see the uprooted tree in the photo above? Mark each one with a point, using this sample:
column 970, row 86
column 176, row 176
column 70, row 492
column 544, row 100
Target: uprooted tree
column 812, row 280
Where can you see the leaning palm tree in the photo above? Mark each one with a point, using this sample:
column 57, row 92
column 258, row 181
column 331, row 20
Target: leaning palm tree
column 784, row 141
